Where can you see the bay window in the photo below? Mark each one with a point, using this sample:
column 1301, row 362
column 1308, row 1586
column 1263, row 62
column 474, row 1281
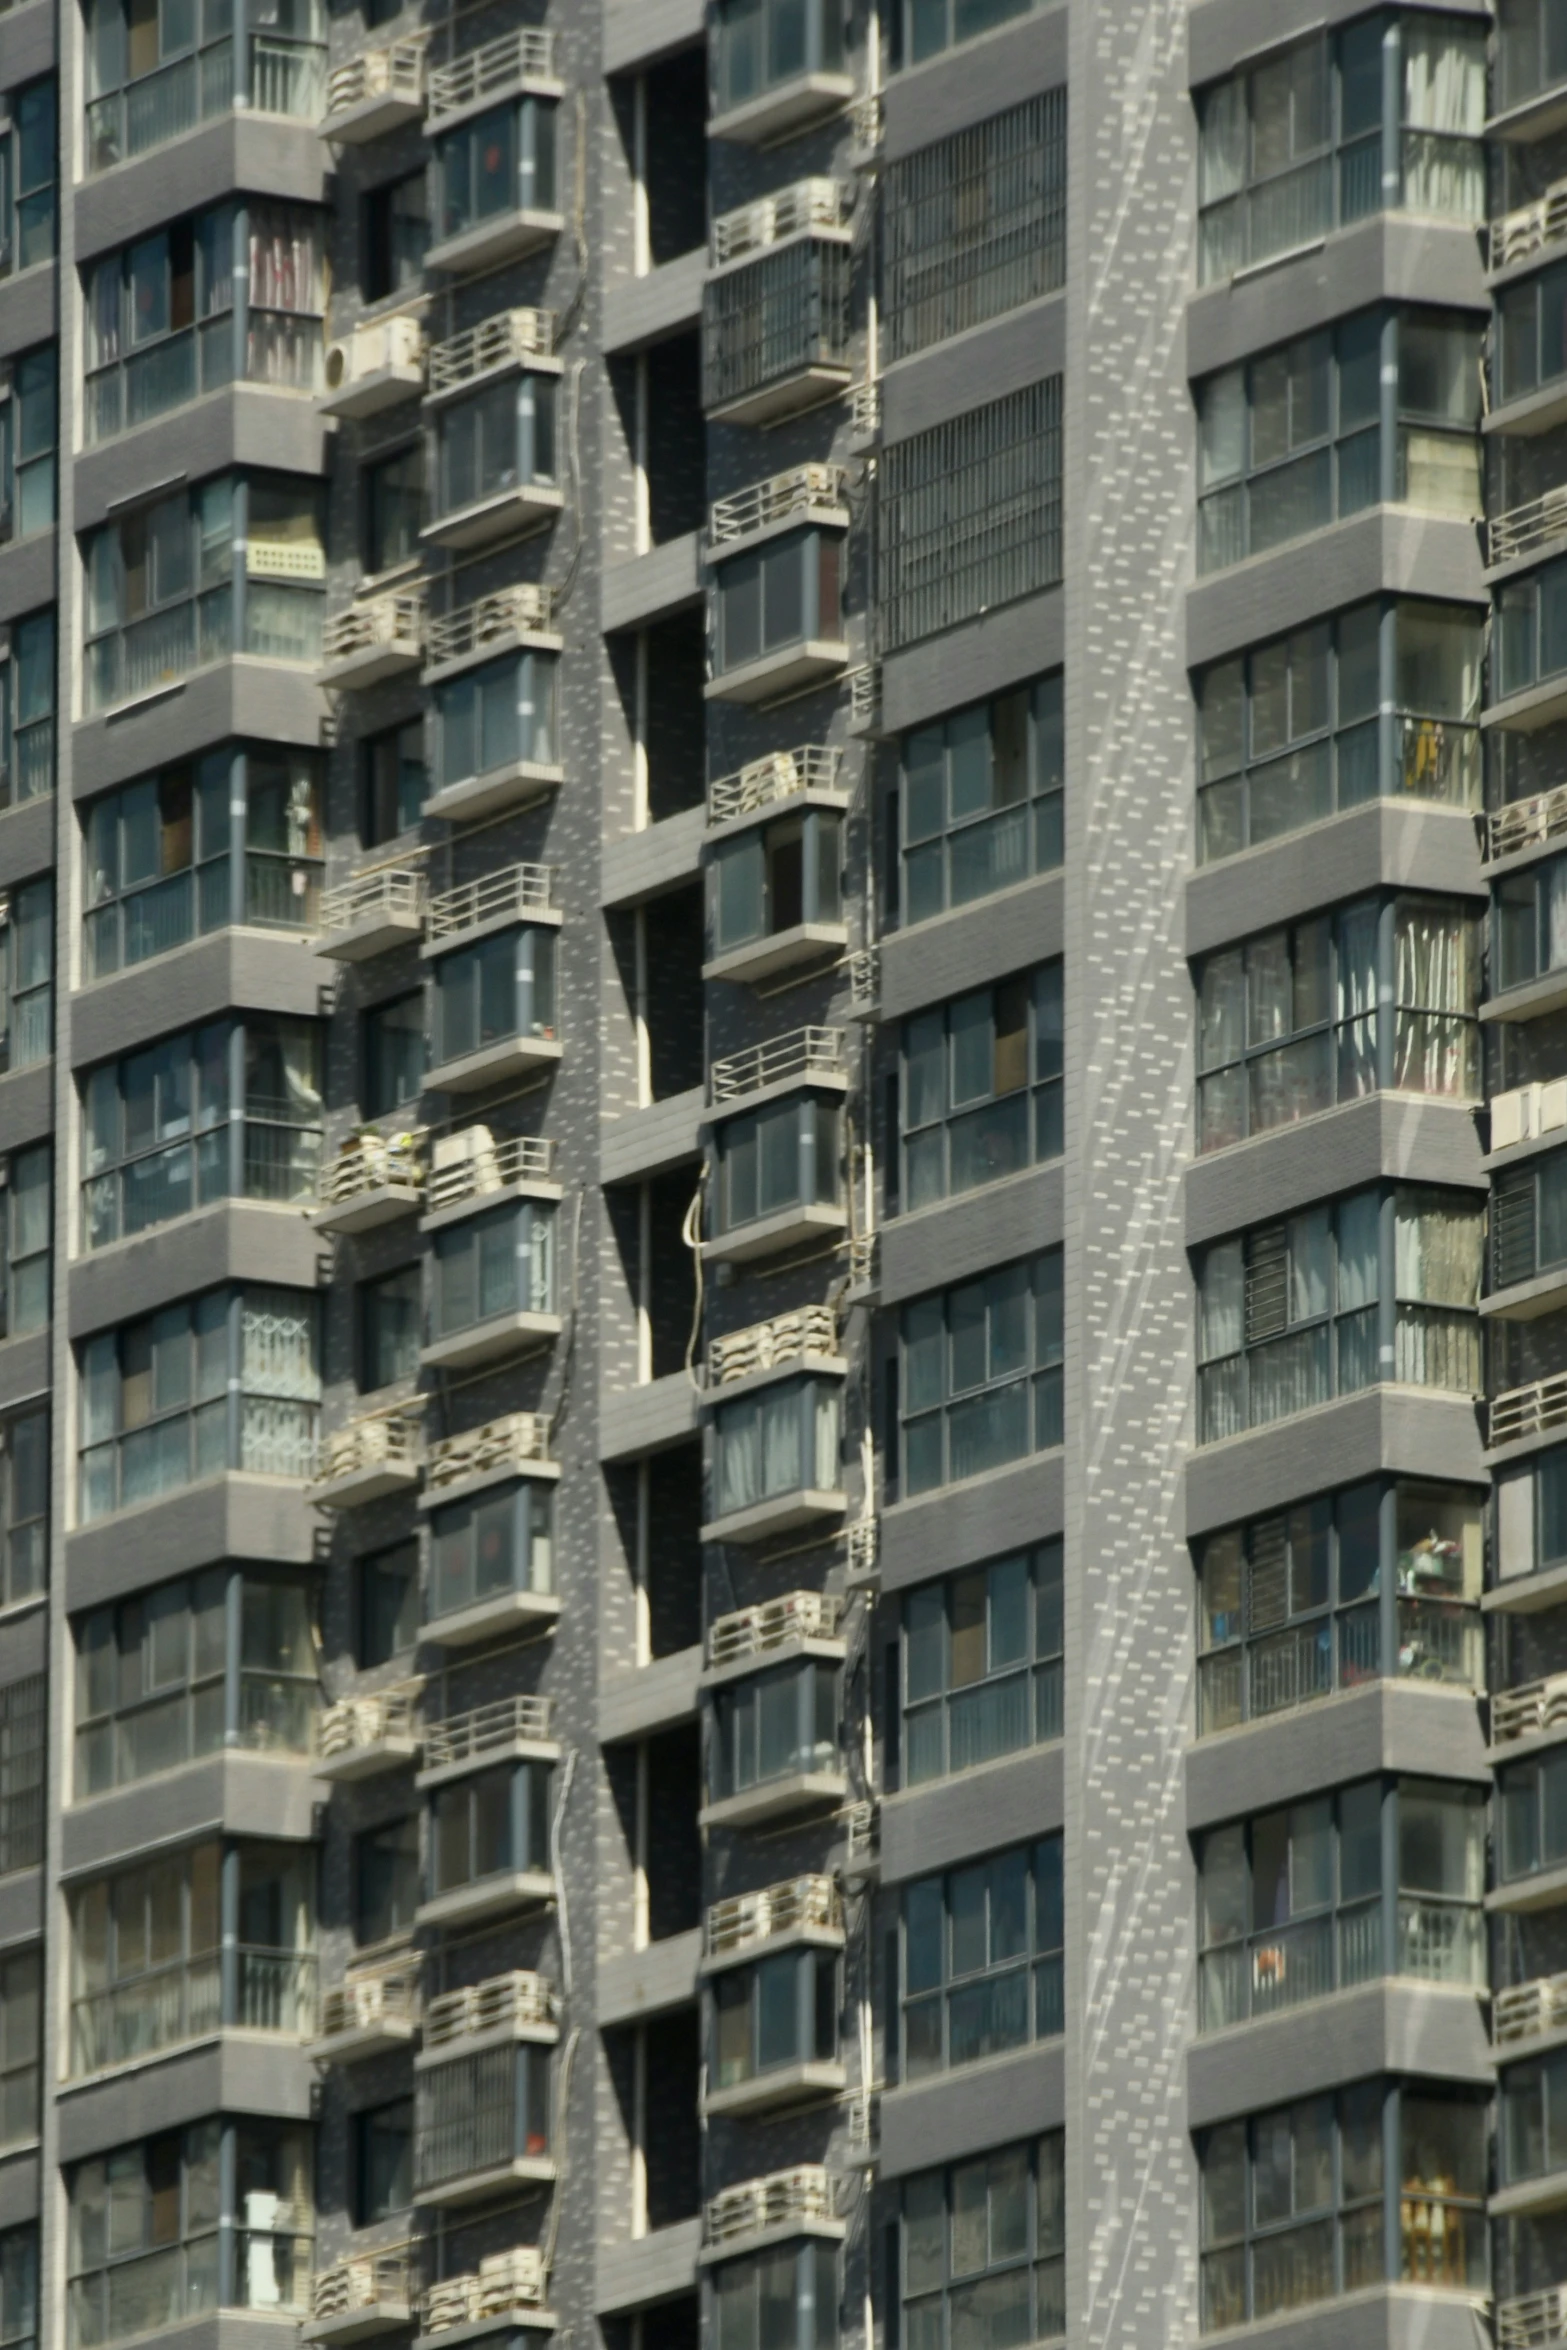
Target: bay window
column 499, row 1263
column 981, row 1664
column 776, row 877
column 497, row 163
column 774, row 1725
column 759, row 44
column 502, row 438
column 487, row 2112
column 983, row 2249
column 502, row 986
column 776, row 2015
column 977, row 1382
column 982, row 1959
column 980, row 800
column 782, row 1439
column 493, row 1823
column 981, row 1087
column 785, row 1155
column 782, row 593
column 785, row 2298
column 498, row 1541
column 501, row 714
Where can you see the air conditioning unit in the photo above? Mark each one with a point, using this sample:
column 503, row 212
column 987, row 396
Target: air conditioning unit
column 1514, row 1116
column 374, row 366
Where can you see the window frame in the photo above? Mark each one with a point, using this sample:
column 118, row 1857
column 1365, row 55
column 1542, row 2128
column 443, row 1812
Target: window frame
column 926, row 1398
column 526, row 1506
column 1034, row 1103
column 1035, row 813
column 27, row 948
column 926, row 1909
column 528, row 126
column 924, row 1692
column 927, row 2315
column 811, row 1975
column 28, row 691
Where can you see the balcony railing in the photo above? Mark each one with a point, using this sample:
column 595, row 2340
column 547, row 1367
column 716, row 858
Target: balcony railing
column 394, row 895
column 508, row 339
column 372, row 1162
column 527, row 608
column 273, row 1991
column 1529, row 2009
column 381, row 1440
column 785, row 2198
column 753, row 1631
column 387, row 2278
column 519, row 889
column 1521, row 529
column 863, row 1541
column 1528, row 1411
column 527, row 55
column 380, row 1995
column 355, row 1723
column 865, row 982
column 502, row 2283
column 1518, row 235
column 516, row 1440
column 799, row 1056
column 777, row 777
column 787, row 1338
column 394, row 72
column 801, row 491
column 1532, row 2321
column 790, row 1908
column 488, row 1729
column 808, row 204
column 392, row 624
column 502, row 2002
column 1531, row 1708
column 1523, row 824
column 486, row 1163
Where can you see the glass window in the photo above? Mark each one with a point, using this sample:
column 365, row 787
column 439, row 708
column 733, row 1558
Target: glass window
column 499, row 1263
column 19, row 2289
column 980, row 1374
column 776, row 877
column 974, row 225
column 388, row 1611
column 776, row 1725
column 24, row 1506
column 29, row 437
column 396, row 781
column 1531, row 50
column 982, row 1664
column 783, row 2012
column 784, row 592
column 495, row 1822
column 981, row 1087
column 787, row 1155
column 499, row 715
column 761, row 43
column 500, row 987
column 396, row 232
column 981, row 800
column 28, row 1229
column 23, row 1718
column 1531, row 633
column 496, row 163
column 478, row 2111
column 286, row 319
column 498, row 439
column 982, row 1959
column 29, row 173
column 983, row 2249
column 393, row 491
column 389, row 1308
column 393, row 1054
column 160, row 317
column 386, row 1880
column 968, row 514
column 783, row 2299
column 21, row 2046
column 499, row 1541
column 383, row 2161
column 27, row 974
column 154, row 69
column 923, row 28
column 782, row 1439
column 27, row 698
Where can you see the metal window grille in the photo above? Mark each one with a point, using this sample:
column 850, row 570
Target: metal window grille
column 975, row 225
column 774, row 318
column 23, row 1710
column 970, row 514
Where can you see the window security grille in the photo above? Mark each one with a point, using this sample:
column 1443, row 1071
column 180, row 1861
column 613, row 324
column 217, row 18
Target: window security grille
column 970, row 514
column 975, row 225
column 774, row 318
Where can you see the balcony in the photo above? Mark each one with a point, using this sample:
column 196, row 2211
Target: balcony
column 803, row 1056
column 475, row 1168
column 515, row 2006
column 806, row 493
column 804, row 1909
column 516, row 63
column 516, row 1445
column 372, row 915
column 798, row 2202
column 777, row 67
column 517, row 69
column 1529, row 231
column 754, row 792
column 1535, row 1710
column 1526, row 530
column 777, row 556
column 359, row 1737
column 374, row 1179
column 753, row 1636
column 504, row 2293
column 511, row 1729
column 370, row 2293
column 376, row 93
column 775, row 316
column 1525, row 824
column 1529, row 2010
column 371, row 2012
column 263, row 1990
column 804, row 1338
column 510, row 339
column 520, row 616
column 365, row 1461
column 379, row 638
column 469, row 1053
column 1524, row 1412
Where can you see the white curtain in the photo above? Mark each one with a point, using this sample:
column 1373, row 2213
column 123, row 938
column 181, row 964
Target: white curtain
column 1444, row 114
column 1438, row 1250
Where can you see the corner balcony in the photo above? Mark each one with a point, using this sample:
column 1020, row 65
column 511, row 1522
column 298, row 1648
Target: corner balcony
column 1526, row 531
column 369, row 2293
column 775, row 314
column 376, row 93
column 752, row 795
column 379, row 638
column 1522, row 1413
column 515, row 1445
column 371, row 2012
column 365, row 1461
column 504, row 2294
column 1528, row 232
column 475, row 1169
column 511, row 1729
column 746, row 2218
column 1532, row 2321
column 359, row 1737
column 373, row 1179
column 372, row 915
column 375, row 366
column 1528, row 2012
column 746, row 1927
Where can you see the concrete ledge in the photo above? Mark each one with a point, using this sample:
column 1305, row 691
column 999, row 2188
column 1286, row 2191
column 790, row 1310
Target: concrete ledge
column 644, row 310
column 977, row 658
column 27, row 574
column 263, row 701
column 637, row 33
column 27, row 1104
column 1389, row 549
column 235, row 1240
column 235, row 2073
column 635, row 1421
column 653, row 586
column 647, row 864
column 24, row 1642
column 1386, row 1725
column 654, row 1697
column 19, row 2200
column 983, row 1810
column 978, row 78
column 1222, row 34
column 1408, row 843
column 996, row 936
column 642, row 1983
column 1387, row 2027
column 969, row 370
column 657, row 2267
column 230, row 970
column 29, row 305
column 976, row 2107
column 642, row 1143
column 244, row 424
column 26, row 1368
column 27, row 837
column 232, row 1794
column 1273, row 1174
column 235, row 151
column 962, row 1524
column 1013, row 1218
column 28, row 45
column 21, row 1905
column 1416, row 1430
column 1392, row 257
column 233, row 1516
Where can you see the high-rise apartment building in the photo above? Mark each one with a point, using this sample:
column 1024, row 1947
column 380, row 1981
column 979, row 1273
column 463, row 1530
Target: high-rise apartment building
column 783, row 1174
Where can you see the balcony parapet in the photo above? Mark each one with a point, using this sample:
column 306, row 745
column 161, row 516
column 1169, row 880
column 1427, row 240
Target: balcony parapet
column 1530, row 2321
column 762, row 1346
column 527, row 55
column 376, row 92
column 484, row 1163
column 519, row 2003
column 797, row 2201
column 784, row 497
column 369, row 2293
column 510, row 338
column 822, row 205
column 374, row 639
column 490, row 624
column 373, row 1179
column 1525, row 529
column 800, row 1057
column 1526, row 1711
column 369, row 1732
column 800, row 1905
column 365, row 1460
column 520, row 892
column 781, row 775
column 1529, row 2009
column 506, row 2284
column 375, row 911
column 516, row 1441
column 1516, row 236
column 465, row 1741
column 756, row 1631
column 1527, row 1411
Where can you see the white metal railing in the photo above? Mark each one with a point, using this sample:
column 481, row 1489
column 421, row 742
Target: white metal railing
column 505, row 1720
column 1515, row 235
column 864, row 982
column 777, row 499
column 503, row 2282
column 381, row 1440
column 526, row 55
column 499, row 2001
column 1523, row 823
column 803, row 1330
column 801, row 1054
column 394, row 72
column 506, row 340
column 488, row 1163
column 865, row 694
column 862, row 1543
column 865, row 122
column 354, row 1723
column 785, row 2198
column 813, row 767
column 789, row 1908
column 1531, row 2321
column 865, row 410
column 370, row 1162
column 395, row 895
column 527, row 608
column 392, row 623
column 367, row 2281
column 1521, row 529
column 1525, row 1711
column 808, row 204
column 516, row 889
column 381, row 1995
column 1529, row 2008
column 512, row 1440
column 752, row 1631
column 862, row 1259
column 863, row 1829
column 1528, row 1411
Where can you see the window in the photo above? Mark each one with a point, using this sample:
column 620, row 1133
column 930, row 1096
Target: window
column 169, row 858
column 393, row 490
column 157, row 1411
column 1529, row 923
column 782, row 1439
column 499, row 1541
column 160, row 323
column 1531, row 631
column 1289, row 733
column 787, row 1155
column 285, row 319
column 502, row 986
column 974, row 225
column 775, row 1725
column 388, row 1620
column 393, row 1054
column 152, row 1683
column 21, row 2046
column 396, row 232
column 981, row 1664
column 496, row 1821
column 783, row 2299
column 499, row 1263
column 980, row 1374
column 781, row 321
column 1293, row 440
column 28, row 1223
column 383, row 2161
column 24, row 1506
column 499, row 162
column 761, row 43
column 1294, row 2201
column 923, row 28
column 29, row 173
column 27, row 695
column 981, row 1087
column 152, row 73
column 229, row 1111
column 1290, row 1023
column 144, row 2234
column 29, row 437
column 1534, row 1816
column 782, row 2012
column 785, row 592
column 24, row 1709
column 386, row 1880
column 981, row 800
column 984, row 2249
column 1292, row 1314
column 1531, row 50
column 1289, row 1607
column 1534, row 2119
column 27, row 974
column 497, row 440
column 499, row 715
column 775, row 878
column 480, row 2113
column 982, row 1959
column 389, row 1328
column 969, row 514
column 1528, row 1222
column 19, row 2289
column 1531, row 342
column 395, row 783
